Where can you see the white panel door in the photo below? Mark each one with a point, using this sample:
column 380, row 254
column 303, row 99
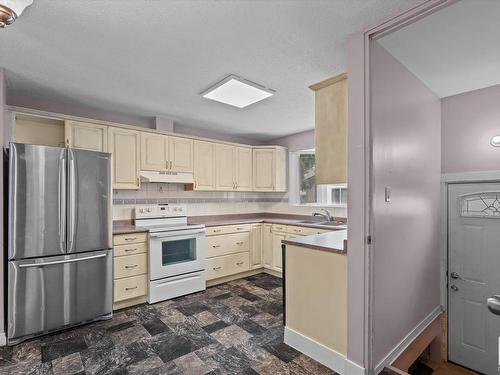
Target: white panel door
column 243, row 168
column 473, row 275
column 86, row 136
column 204, row 165
column 154, row 152
column 180, row 154
column 264, row 169
column 224, row 167
column 124, row 144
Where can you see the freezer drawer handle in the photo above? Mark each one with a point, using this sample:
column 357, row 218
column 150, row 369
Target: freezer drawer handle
column 62, row 261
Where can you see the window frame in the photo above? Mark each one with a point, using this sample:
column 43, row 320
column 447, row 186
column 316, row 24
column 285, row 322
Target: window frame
column 322, row 191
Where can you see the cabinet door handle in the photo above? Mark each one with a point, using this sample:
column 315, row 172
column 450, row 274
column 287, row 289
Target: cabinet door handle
column 240, row 243
column 170, row 164
column 132, row 288
column 217, row 268
column 129, row 267
column 239, row 263
column 166, row 164
column 215, row 246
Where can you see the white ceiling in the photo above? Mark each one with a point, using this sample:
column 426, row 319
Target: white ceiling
column 454, row 50
column 153, row 58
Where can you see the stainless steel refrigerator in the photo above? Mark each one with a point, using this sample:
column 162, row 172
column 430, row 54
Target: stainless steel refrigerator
column 59, row 239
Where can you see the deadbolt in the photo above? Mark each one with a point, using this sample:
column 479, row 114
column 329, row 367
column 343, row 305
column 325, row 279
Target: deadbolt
column 455, row 275
column 454, row 288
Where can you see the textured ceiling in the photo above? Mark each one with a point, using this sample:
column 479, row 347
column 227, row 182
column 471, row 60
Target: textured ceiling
column 153, row 58
column 454, row 50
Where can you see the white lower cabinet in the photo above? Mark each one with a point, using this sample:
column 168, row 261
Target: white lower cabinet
column 228, row 250
column 233, row 249
column 130, row 269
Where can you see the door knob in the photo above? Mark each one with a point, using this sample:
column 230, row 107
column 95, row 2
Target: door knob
column 455, row 275
column 494, row 304
column 454, row 288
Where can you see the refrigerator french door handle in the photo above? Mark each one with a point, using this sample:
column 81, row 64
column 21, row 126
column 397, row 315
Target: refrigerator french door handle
column 71, row 201
column 74, row 260
column 62, row 202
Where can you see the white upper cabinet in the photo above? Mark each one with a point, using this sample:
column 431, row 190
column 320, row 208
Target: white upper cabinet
column 269, row 169
column 124, row 145
column 180, row 151
column 224, row 167
column 204, row 165
column 154, row 152
column 164, row 153
column 243, row 168
column 86, row 136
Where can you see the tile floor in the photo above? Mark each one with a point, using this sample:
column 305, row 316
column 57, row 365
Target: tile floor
column 233, row 328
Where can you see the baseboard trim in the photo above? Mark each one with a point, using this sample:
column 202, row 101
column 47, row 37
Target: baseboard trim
column 3, row 339
column 407, row 340
column 324, row 355
column 351, row 368
column 272, row 272
column 225, row 279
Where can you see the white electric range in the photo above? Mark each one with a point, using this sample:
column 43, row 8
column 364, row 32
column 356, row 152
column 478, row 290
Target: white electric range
column 176, row 251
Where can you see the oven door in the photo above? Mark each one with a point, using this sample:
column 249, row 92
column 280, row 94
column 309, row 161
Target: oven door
column 176, row 253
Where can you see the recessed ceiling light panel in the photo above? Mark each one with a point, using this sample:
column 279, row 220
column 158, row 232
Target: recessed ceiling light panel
column 237, row 91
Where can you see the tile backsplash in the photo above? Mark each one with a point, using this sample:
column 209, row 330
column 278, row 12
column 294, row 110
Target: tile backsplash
column 208, row 203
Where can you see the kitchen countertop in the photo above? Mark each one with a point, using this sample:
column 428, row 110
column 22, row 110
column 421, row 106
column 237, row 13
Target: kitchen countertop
column 126, row 226
column 212, row 221
column 334, row 241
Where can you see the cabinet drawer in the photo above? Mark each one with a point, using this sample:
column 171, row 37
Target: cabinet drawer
column 130, row 287
column 226, row 229
column 130, row 265
column 227, row 265
column 303, row 231
column 133, row 248
column 123, row 239
column 227, row 244
column 279, row 228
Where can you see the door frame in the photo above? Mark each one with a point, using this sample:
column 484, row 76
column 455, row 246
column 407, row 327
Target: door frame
column 360, row 180
column 446, row 180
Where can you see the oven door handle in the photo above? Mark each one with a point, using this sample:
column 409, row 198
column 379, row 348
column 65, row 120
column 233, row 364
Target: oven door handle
column 177, row 234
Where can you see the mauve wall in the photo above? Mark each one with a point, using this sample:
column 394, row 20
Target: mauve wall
column 296, row 142
column 469, row 121
column 406, row 126
column 2, row 125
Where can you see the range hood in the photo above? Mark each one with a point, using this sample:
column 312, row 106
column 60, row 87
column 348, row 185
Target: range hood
column 167, row 177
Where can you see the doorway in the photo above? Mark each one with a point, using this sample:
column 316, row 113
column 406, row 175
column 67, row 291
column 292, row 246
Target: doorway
column 474, row 275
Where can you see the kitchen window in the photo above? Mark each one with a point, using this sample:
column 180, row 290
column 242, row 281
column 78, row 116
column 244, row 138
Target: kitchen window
column 303, row 187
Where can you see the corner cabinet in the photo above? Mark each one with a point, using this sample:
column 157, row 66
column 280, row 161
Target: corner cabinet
column 124, row 145
column 86, row 136
column 269, row 169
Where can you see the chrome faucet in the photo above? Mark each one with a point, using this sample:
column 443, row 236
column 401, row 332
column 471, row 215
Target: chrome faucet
column 327, row 216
